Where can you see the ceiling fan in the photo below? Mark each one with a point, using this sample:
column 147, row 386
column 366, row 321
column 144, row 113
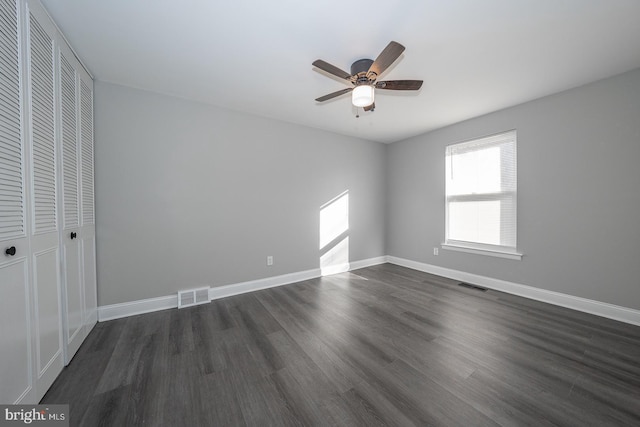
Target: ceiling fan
column 364, row 73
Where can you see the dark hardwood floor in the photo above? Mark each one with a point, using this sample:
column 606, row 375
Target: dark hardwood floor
column 383, row 345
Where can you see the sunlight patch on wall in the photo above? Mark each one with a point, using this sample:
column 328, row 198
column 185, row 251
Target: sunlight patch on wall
column 334, row 235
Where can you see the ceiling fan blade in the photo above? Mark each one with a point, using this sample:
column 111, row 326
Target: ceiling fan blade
column 399, row 84
column 369, row 107
column 334, row 94
column 331, row 69
column 386, row 58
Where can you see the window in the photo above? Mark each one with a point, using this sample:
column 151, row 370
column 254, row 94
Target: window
column 481, row 196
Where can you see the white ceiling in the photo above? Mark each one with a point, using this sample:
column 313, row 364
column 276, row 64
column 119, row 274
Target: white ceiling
column 255, row 56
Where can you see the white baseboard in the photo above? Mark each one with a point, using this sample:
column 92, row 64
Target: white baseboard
column 611, row 311
column 367, row 262
column 334, row 269
column 132, row 308
column 256, row 285
column 125, row 309
column 341, row 268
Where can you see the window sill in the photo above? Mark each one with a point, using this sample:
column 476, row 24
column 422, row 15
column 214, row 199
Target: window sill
column 500, row 254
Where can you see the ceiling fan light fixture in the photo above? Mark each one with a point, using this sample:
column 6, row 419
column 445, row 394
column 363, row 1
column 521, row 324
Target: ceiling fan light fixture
column 362, row 96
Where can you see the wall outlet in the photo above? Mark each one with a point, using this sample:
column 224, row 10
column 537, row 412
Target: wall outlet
column 435, row 251
column 270, row 260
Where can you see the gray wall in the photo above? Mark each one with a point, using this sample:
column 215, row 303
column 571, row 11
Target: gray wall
column 578, row 193
column 190, row 195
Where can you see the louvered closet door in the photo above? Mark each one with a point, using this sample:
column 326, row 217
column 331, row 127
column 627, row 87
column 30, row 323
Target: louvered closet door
column 16, row 376
column 87, row 216
column 44, row 222
column 74, row 332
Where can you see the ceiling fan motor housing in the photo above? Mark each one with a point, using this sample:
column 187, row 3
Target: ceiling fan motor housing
column 360, row 67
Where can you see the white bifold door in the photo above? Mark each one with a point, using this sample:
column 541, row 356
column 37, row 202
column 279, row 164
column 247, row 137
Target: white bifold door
column 16, row 356
column 43, row 217
column 78, row 230
column 47, row 278
column 31, row 307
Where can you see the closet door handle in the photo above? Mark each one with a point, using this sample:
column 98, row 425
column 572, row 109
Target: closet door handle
column 73, row 235
column 10, row 251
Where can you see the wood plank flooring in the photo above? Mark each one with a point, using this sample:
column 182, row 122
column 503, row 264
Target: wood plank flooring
column 384, row 345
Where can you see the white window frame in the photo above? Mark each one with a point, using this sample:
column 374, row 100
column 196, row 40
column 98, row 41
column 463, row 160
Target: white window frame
column 509, row 252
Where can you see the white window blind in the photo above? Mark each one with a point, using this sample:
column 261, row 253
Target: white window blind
column 481, row 193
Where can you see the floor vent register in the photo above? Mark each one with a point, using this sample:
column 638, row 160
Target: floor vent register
column 192, row 297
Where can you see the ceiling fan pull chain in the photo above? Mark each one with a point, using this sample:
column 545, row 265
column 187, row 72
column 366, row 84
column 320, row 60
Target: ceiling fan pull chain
column 357, row 113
